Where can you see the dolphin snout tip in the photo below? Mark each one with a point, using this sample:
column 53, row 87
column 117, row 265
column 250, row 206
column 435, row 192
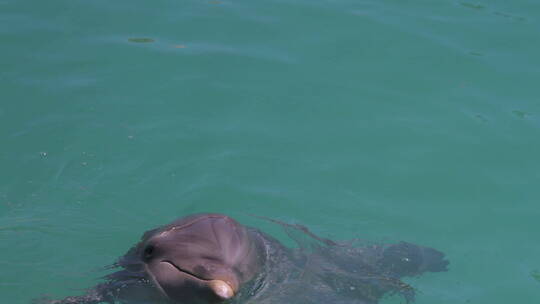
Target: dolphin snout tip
column 221, row 289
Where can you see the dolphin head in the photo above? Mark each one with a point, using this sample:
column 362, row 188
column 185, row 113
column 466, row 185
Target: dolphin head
column 203, row 258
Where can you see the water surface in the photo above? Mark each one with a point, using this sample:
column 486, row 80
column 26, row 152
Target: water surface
column 386, row 120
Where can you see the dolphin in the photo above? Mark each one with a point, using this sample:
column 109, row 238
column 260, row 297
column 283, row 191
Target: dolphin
column 211, row 258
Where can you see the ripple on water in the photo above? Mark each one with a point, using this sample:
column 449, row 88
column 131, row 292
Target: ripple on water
column 141, row 40
column 535, row 274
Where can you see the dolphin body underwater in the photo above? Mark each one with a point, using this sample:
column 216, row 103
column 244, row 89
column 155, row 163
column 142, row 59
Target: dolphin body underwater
column 211, row 258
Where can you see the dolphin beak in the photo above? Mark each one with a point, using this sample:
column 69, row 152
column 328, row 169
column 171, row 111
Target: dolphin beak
column 221, row 289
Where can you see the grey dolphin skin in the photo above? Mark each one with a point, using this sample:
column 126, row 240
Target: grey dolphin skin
column 211, row 258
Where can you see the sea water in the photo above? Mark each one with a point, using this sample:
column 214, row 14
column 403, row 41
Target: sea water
column 386, row 120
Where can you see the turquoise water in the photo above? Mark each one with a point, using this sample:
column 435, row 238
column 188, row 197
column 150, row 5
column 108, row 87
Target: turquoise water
column 386, row 120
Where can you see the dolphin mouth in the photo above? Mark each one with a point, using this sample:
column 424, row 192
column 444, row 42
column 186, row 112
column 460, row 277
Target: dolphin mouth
column 191, row 274
column 221, row 289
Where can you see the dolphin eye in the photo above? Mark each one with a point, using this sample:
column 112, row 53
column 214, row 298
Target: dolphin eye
column 148, row 252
